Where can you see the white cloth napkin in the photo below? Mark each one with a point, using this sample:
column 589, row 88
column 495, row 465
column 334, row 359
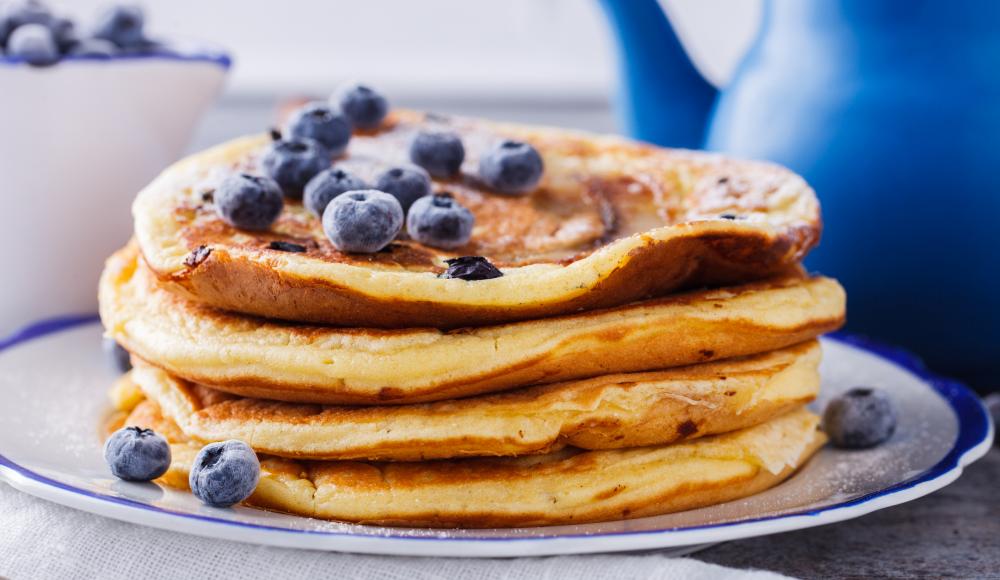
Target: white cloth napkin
column 42, row 540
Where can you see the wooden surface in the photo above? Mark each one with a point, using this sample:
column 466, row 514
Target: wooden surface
column 952, row 533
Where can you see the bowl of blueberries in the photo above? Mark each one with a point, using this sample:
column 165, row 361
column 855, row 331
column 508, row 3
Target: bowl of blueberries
column 91, row 111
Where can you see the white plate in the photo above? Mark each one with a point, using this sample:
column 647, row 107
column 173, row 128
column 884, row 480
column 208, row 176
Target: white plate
column 54, row 379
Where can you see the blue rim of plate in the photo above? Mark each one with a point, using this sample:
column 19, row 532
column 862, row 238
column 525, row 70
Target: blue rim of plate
column 975, row 432
column 208, row 55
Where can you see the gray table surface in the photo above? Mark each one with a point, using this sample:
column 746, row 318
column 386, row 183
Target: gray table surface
column 952, row 533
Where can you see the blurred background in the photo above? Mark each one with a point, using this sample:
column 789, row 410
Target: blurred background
column 545, row 61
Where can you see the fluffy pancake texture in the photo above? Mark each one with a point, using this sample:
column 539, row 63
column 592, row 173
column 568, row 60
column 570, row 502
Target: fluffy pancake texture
column 266, row 359
column 614, row 411
column 568, row 486
column 612, row 222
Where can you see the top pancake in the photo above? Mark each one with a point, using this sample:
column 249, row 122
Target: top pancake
column 611, row 222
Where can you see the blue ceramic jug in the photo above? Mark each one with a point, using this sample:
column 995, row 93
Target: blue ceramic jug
column 891, row 111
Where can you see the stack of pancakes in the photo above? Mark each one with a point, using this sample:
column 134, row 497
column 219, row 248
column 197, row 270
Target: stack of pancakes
column 649, row 348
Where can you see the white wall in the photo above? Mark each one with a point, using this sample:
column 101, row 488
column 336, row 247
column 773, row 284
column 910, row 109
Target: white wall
column 533, row 61
column 479, row 50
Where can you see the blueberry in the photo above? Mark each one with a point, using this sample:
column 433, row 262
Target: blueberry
column 860, row 418
column 64, row 32
column 93, row 48
column 136, row 454
column 248, row 202
column 470, row 268
column 34, row 44
column 122, row 25
column 18, row 14
column 327, row 185
column 512, row 167
column 363, row 221
column 440, row 221
column 148, row 46
column 282, row 246
column 439, row 152
column 293, row 162
column 319, row 122
column 224, row 474
column 119, row 358
column 406, row 183
column 151, row 46
column 363, row 106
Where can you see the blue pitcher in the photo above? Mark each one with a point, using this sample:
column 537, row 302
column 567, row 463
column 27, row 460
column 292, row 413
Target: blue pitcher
column 891, row 110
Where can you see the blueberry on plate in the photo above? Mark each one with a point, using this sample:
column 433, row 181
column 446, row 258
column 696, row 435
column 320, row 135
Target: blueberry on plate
column 34, row 44
column 319, row 122
column 248, row 202
column 862, row 417
column 224, row 474
column 136, row 454
column 93, row 48
column 121, row 24
column 407, row 183
column 293, row 162
column 512, row 167
column 327, row 185
column 364, row 107
column 470, row 268
column 440, row 221
column 119, row 358
column 439, row 152
column 363, row 221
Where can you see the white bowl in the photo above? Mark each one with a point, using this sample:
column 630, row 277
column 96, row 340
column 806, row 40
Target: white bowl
column 77, row 141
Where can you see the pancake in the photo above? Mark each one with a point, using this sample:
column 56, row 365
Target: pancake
column 271, row 360
column 569, row 486
column 612, row 222
column 609, row 412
